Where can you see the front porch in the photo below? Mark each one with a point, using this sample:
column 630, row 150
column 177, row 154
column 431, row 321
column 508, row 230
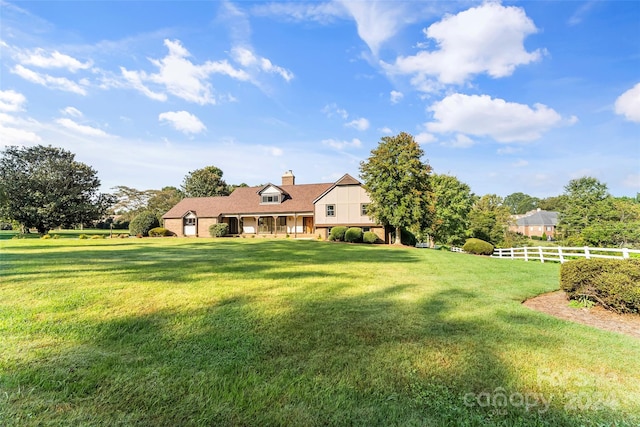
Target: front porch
column 291, row 225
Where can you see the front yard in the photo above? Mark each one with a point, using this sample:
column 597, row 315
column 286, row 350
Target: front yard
column 282, row 332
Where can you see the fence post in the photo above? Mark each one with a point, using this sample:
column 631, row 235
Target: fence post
column 586, row 252
column 541, row 254
column 526, row 258
column 512, row 255
column 560, row 254
column 625, row 253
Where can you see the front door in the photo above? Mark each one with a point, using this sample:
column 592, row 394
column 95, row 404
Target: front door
column 307, row 222
column 233, row 225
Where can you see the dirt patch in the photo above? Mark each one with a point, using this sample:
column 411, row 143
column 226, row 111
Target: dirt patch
column 557, row 304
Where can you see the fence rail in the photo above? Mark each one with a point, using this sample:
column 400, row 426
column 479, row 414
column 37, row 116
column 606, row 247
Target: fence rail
column 562, row 254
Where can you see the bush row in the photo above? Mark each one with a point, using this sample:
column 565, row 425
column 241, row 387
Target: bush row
column 612, row 283
column 352, row 235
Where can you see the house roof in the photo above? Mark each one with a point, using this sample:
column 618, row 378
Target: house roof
column 539, row 218
column 246, row 200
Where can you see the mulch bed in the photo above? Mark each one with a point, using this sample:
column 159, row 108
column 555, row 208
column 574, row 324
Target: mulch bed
column 557, row 304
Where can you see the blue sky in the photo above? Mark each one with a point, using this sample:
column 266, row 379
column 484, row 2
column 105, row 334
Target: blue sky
column 511, row 96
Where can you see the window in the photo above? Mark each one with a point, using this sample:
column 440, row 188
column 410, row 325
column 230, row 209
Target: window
column 365, row 229
column 363, row 209
column 189, row 221
column 270, row 198
column 331, row 210
column 549, row 228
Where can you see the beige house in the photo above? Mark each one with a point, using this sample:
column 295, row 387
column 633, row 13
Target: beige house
column 536, row 223
column 297, row 210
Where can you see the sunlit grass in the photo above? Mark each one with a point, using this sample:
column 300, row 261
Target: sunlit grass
column 281, row 332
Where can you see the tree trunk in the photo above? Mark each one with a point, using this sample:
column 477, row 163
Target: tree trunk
column 398, row 236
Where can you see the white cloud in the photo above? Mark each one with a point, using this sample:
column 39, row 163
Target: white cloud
column 332, row 110
column 461, row 141
column 425, row 138
column 81, row 129
column 628, row 104
column 481, row 115
column 385, row 130
column 181, row 77
column 183, row 121
column 520, row 163
column 484, row 39
column 358, row 124
column 272, row 151
column 60, row 83
column 509, row 150
column 11, row 101
column 395, row 96
column 40, row 58
column 247, row 58
column 377, row 21
column 319, row 12
column 342, row 145
column 71, row 111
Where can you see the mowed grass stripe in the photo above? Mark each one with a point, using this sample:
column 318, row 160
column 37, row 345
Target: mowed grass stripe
column 282, row 332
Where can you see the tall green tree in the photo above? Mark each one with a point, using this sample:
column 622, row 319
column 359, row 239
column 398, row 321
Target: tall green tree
column 520, row 203
column 130, row 201
column 205, row 182
column 453, row 201
column 397, row 180
column 588, row 202
column 163, row 200
column 45, row 187
column 489, row 219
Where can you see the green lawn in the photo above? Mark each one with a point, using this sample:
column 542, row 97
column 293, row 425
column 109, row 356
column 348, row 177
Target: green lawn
column 164, row 332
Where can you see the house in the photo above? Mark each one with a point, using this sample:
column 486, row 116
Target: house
column 536, row 223
column 297, row 210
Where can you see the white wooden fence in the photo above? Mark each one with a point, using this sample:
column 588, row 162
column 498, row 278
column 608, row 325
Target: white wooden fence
column 562, row 254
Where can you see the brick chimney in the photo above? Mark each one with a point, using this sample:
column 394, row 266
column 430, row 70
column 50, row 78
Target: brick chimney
column 288, row 178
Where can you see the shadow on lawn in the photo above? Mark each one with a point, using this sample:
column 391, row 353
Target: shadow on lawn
column 323, row 358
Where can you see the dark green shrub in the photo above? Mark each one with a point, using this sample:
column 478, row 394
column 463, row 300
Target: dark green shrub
column 337, row 233
column 369, row 237
column 353, row 235
column 219, row 230
column 408, row 238
column 143, row 222
column 612, row 283
column 160, row 232
column 478, row 247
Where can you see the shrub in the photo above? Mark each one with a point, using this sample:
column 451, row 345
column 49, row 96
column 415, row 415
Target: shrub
column 83, row 236
column 219, row 230
column 98, row 236
column 337, row 233
column 143, row 222
column 46, row 236
column 612, row 283
column 160, row 232
column 478, row 247
column 369, row 237
column 353, row 235
column 123, row 236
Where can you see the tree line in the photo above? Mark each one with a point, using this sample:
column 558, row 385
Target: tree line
column 44, row 187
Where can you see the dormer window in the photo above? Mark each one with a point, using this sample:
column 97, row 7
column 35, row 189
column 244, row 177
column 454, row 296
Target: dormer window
column 270, row 198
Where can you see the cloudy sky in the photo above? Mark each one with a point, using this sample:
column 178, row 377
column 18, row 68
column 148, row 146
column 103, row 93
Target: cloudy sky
column 511, row 96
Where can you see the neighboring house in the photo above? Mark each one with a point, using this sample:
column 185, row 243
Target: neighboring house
column 298, row 210
column 536, row 223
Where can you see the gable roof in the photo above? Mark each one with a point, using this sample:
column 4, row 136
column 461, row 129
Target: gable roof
column 539, row 218
column 246, row 200
column 345, row 180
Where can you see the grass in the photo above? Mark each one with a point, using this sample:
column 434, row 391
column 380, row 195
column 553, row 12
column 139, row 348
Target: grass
column 283, row 332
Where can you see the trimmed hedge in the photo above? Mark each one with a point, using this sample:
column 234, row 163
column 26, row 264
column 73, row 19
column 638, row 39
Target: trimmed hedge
column 337, row 234
column 160, row 232
column 353, row 235
column 478, row 247
column 369, row 237
column 612, row 283
column 219, row 230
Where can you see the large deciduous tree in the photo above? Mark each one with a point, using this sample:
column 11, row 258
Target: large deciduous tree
column 453, row 201
column 397, row 181
column 45, row 187
column 489, row 219
column 205, row 182
column 588, row 202
column 520, row 203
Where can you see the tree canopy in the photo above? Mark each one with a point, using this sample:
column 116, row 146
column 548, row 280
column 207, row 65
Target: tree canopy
column 489, row 219
column 520, row 203
column 205, row 182
column 397, row 181
column 45, row 187
column 453, row 201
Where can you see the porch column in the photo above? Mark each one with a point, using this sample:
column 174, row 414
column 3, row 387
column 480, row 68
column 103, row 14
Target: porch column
column 275, row 225
column 295, row 225
column 256, row 228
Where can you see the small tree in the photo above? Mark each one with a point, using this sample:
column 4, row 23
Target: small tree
column 453, row 201
column 397, row 181
column 142, row 223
